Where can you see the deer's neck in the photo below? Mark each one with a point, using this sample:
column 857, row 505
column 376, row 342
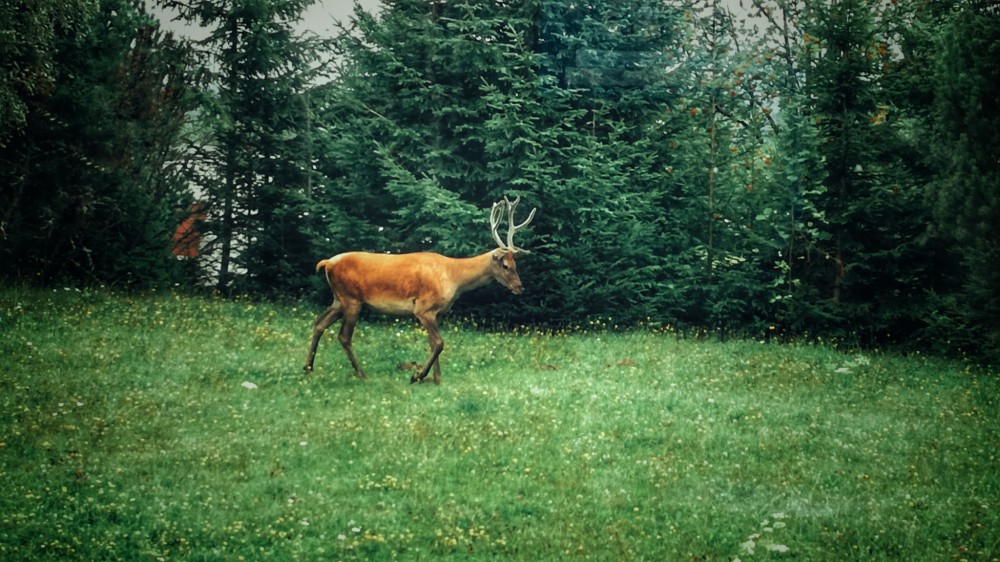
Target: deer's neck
column 472, row 273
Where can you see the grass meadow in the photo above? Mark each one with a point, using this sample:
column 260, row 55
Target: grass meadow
column 162, row 427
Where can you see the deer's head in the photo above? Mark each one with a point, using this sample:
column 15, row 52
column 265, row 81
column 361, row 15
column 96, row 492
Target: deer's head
column 504, row 266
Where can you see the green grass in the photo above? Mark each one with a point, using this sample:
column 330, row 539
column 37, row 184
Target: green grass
column 126, row 434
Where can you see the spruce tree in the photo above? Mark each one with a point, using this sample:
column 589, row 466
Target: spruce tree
column 966, row 201
column 90, row 191
column 253, row 165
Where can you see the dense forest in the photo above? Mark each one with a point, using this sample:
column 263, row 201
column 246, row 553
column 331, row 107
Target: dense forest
column 820, row 169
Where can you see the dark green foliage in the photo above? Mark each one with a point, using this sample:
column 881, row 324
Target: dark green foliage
column 602, row 89
column 859, row 269
column 30, row 44
column 718, row 264
column 965, row 195
column 444, row 108
column 89, row 191
column 822, row 168
column 405, row 156
column 254, row 169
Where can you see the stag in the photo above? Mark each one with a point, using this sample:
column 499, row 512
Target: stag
column 423, row 284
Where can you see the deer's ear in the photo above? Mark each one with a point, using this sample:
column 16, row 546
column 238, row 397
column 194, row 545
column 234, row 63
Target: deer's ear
column 498, row 255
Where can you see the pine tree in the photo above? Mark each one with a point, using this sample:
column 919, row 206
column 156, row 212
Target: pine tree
column 29, row 47
column 253, row 161
column 965, row 195
column 91, row 192
column 445, row 107
column 723, row 193
column 858, row 272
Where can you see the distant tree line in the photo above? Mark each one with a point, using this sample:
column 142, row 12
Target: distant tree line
column 822, row 168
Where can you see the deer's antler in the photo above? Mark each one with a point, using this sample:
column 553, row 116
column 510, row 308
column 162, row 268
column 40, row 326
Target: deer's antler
column 496, row 215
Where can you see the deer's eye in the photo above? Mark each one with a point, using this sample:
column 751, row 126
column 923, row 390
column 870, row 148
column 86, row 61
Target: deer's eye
column 504, row 265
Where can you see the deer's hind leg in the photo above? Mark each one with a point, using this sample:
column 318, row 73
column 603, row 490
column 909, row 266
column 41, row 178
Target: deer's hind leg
column 323, row 321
